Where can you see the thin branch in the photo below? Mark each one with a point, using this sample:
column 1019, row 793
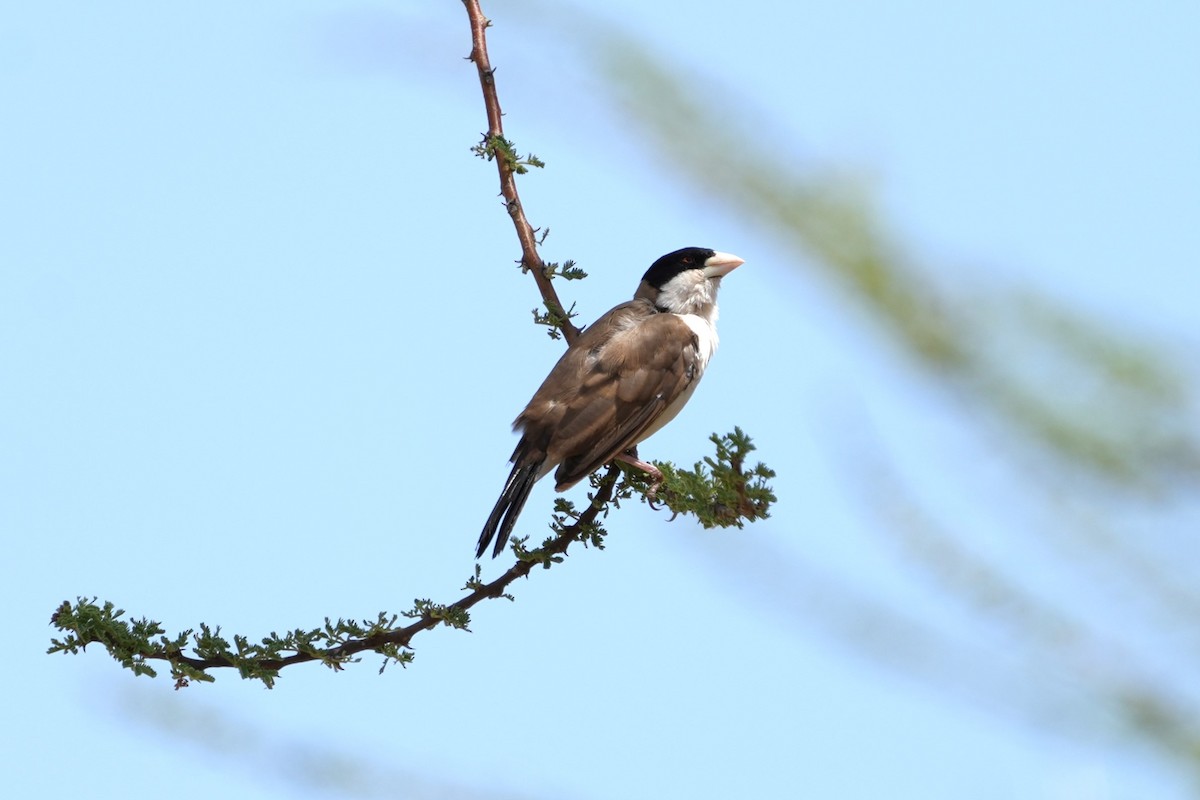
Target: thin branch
column 719, row 492
column 401, row 637
column 530, row 259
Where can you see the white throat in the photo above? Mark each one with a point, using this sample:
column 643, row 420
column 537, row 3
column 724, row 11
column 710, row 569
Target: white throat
column 690, row 293
column 693, row 297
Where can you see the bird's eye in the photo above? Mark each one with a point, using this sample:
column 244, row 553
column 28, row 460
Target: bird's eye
column 687, row 259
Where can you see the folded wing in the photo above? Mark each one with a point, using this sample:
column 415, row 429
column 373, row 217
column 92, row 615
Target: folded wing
column 604, row 395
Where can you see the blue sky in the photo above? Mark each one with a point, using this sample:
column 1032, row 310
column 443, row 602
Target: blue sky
column 244, row 244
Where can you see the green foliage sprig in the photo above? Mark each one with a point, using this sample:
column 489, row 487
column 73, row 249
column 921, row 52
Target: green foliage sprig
column 566, row 269
column 493, row 146
column 558, row 321
column 718, row 491
column 554, row 321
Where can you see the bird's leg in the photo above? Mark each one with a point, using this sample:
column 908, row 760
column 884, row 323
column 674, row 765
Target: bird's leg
column 630, row 457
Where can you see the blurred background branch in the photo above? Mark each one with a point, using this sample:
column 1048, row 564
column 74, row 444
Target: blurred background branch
column 1096, row 429
column 1107, row 404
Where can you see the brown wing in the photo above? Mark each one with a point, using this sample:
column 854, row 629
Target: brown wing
column 604, row 393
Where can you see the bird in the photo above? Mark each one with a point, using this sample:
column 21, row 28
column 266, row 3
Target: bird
column 623, row 378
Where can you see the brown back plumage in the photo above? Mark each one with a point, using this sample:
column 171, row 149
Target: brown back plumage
column 607, row 390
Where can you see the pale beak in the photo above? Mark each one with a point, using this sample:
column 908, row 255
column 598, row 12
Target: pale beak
column 719, row 265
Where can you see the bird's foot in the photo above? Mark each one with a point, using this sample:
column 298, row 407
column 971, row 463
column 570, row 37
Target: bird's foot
column 630, row 457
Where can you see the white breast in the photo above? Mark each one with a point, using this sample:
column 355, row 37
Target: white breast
column 706, row 337
column 706, row 341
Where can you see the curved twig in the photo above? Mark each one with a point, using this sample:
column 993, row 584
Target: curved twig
column 400, row 637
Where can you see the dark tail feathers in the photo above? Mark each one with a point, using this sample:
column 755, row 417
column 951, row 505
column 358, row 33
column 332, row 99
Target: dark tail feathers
column 516, row 491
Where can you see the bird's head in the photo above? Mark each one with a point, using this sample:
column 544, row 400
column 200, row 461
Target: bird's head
column 686, row 281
